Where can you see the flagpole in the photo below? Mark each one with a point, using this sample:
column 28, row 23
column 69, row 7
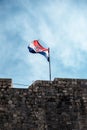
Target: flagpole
column 49, row 64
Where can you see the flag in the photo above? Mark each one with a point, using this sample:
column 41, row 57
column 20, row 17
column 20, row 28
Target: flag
column 35, row 47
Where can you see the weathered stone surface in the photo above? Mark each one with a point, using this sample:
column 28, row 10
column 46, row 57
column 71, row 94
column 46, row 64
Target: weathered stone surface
column 46, row 105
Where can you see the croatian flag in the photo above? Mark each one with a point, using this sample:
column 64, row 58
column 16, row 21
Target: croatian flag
column 35, row 47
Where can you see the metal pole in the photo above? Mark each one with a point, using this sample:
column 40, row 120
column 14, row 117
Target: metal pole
column 49, row 64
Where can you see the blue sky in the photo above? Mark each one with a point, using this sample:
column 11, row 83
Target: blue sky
column 59, row 24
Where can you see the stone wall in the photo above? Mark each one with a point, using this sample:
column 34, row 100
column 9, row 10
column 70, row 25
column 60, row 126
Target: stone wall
column 46, row 105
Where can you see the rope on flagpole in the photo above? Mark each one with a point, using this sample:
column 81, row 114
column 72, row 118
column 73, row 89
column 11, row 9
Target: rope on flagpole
column 49, row 64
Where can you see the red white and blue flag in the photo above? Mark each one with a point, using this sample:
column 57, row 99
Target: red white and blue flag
column 35, row 47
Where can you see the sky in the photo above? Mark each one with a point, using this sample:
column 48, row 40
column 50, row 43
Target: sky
column 60, row 25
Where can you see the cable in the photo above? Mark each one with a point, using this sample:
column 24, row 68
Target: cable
column 20, row 84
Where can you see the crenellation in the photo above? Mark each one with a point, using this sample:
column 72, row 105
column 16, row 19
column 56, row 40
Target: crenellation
column 60, row 104
column 5, row 83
